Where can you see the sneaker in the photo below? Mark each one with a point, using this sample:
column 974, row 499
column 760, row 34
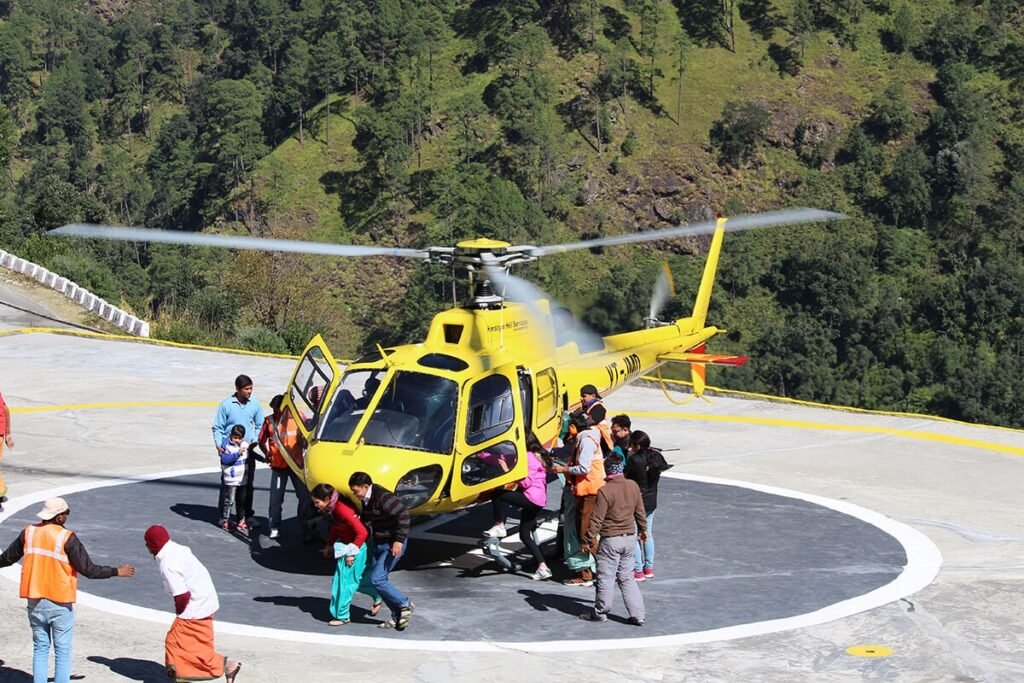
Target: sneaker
column 225, row 525
column 635, row 622
column 496, row 531
column 242, row 526
column 639, row 576
column 591, row 615
column 541, row 574
column 273, row 533
column 648, row 572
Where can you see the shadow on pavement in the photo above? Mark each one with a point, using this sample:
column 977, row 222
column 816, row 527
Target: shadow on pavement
column 318, row 608
column 9, row 675
column 546, row 602
column 199, row 513
column 133, row 669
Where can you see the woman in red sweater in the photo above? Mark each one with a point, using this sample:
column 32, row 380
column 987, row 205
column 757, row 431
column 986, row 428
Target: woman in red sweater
column 346, row 543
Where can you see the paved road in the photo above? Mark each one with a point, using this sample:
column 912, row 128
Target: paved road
column 18, row 296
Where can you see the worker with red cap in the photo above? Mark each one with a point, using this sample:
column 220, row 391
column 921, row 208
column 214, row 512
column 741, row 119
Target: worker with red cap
column 188, row 648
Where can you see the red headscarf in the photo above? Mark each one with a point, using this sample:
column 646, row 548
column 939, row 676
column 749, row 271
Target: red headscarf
column 156, row 538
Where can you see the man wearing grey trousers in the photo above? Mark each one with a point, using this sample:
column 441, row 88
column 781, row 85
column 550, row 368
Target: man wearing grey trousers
column 618, row 515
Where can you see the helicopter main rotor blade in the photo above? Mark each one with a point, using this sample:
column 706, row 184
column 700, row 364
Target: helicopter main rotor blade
column 748, row 222
column 199, row 239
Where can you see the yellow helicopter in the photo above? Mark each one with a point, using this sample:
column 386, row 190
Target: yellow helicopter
column 443, row 422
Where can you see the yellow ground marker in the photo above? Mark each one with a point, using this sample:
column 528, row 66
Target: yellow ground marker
column 120, row 404
column 869, row 651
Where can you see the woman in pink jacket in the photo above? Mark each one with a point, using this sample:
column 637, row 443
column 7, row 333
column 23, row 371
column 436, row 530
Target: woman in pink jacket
column 530, row 494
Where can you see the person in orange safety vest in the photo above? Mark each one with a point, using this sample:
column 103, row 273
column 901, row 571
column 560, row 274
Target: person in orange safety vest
column 54, row 557
column 280, row 472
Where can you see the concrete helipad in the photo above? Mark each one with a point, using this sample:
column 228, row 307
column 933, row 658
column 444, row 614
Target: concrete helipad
column 781, row 512
column 734, row 561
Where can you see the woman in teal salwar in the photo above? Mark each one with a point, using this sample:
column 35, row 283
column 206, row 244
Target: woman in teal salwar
column 347, row 544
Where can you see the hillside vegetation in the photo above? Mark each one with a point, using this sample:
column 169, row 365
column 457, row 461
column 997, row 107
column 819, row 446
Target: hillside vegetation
column 408, row 123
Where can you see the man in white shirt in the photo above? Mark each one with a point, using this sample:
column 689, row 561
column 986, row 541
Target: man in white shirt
column 189, row 651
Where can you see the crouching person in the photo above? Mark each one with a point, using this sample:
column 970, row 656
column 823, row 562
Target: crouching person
column 188, row 648
column 347, row 545
column 618, row 510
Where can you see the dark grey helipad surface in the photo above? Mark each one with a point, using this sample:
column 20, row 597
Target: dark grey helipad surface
column 726, row 556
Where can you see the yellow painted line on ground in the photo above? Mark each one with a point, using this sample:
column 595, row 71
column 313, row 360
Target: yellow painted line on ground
column 825, row 426
column 141, row 340
column 849, row 409
column 121, row 404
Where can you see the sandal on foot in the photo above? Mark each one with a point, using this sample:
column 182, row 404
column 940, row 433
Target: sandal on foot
column 375, row 607
column 390, row 623
column 579, row 581
column 230, row 676
column 337, row 622
column 403, row 618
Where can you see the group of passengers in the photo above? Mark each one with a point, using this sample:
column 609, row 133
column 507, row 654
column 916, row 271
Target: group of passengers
column 610, row 476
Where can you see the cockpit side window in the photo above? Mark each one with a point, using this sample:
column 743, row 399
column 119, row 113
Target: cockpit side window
column 491, row 410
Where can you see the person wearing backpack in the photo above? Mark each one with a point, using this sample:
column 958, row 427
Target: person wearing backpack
column 644, row 466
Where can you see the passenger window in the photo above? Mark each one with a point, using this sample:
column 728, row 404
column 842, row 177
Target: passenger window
column 311, row 381
column 547, row 396
column 484, row 466
column 490, row 409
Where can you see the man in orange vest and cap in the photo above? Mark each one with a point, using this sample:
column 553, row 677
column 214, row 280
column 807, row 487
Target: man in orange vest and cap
column 54, row 557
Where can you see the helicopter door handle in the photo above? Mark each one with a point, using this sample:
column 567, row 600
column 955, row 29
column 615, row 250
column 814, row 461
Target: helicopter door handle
column 517, row 433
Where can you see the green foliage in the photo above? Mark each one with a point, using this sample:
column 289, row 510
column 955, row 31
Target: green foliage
column 905, row 32
column 786, row 59
column 762, row 17
column 259, row 338
column 234, row 137
column 889, row 115
column 411, row 123
column 86, row 272
column 909, row 197
column 628, row 146
column 739, row 131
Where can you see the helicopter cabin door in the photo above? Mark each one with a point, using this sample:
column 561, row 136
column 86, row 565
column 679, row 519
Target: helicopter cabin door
column 492, row 441
column 307, row 395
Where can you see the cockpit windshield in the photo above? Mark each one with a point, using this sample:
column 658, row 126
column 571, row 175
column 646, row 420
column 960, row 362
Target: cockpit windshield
column 350, row 402
column 415, row 410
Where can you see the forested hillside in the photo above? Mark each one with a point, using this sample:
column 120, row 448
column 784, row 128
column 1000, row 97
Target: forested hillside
column 415, row 122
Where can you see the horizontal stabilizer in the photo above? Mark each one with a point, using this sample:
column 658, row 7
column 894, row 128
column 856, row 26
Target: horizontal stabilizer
column 702, row 358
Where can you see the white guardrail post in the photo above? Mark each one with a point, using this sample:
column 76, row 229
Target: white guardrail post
column 78, row 294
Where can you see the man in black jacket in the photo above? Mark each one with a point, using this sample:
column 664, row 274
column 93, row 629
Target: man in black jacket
column 388, row 520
